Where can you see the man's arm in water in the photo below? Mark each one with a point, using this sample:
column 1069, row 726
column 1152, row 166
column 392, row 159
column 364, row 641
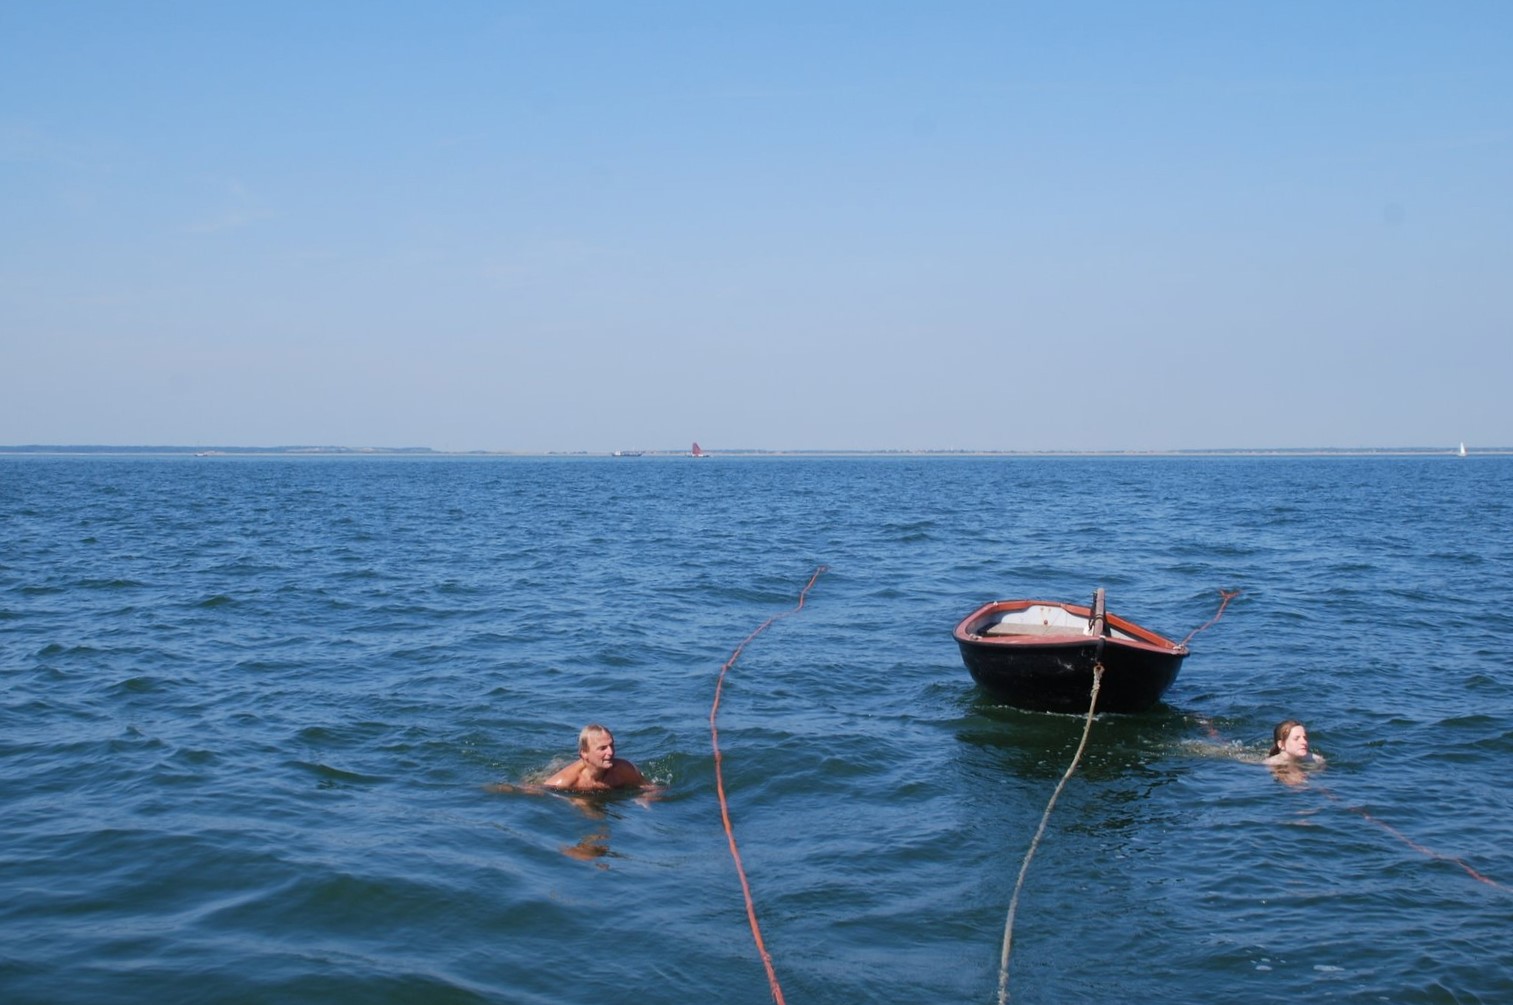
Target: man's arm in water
column 529, row 790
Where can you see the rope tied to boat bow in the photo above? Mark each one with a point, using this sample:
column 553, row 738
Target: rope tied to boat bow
column 1227, row 596
column 1024, row 868
column 1087, row 727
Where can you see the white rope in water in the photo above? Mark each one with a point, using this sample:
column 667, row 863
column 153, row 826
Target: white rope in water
column 1008, row 925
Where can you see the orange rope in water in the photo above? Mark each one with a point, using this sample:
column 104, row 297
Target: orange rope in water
column 1426, row 852
column 719, row 781
column 1228, row 595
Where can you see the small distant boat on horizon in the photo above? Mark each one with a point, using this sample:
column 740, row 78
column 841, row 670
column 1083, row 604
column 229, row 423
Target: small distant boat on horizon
column 1462, row 448
column 697, row 451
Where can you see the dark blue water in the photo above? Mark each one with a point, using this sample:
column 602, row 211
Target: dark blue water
column 251, row 705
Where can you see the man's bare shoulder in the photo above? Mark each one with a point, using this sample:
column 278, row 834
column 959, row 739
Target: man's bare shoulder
column 570, row 777
column 624, row 773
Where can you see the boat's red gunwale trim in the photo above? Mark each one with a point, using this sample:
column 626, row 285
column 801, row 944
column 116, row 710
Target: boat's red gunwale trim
column 969, row 627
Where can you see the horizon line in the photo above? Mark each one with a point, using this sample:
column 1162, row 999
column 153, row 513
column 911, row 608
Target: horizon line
column 334, row 450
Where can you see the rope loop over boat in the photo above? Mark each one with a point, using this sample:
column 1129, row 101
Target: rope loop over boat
column 1024, row 868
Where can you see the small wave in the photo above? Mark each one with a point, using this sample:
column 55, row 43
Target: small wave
column 328, row 776
column 141, row 684
column 58, row 649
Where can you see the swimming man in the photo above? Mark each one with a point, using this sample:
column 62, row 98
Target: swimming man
column 597, row 769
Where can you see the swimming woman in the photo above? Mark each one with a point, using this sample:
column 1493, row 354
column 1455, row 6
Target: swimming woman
column 1290, row 754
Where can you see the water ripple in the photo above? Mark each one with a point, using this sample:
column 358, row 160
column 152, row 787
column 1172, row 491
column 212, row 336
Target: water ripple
column 252, row 705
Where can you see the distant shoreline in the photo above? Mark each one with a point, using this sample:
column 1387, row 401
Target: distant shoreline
column 629, row 455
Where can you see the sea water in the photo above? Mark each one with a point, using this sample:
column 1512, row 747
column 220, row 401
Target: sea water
column 251, row 707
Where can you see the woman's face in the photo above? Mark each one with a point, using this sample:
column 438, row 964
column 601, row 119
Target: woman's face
column 1295, row 744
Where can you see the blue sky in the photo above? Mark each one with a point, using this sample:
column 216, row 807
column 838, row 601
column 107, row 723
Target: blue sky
column 620, row 225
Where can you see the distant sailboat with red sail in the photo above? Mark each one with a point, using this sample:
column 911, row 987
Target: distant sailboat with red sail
column 697, row 451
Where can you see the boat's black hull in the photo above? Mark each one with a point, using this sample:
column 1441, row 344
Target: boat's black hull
column 1058, row 677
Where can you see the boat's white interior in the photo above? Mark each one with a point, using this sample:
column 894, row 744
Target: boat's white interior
column 1043, row 619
